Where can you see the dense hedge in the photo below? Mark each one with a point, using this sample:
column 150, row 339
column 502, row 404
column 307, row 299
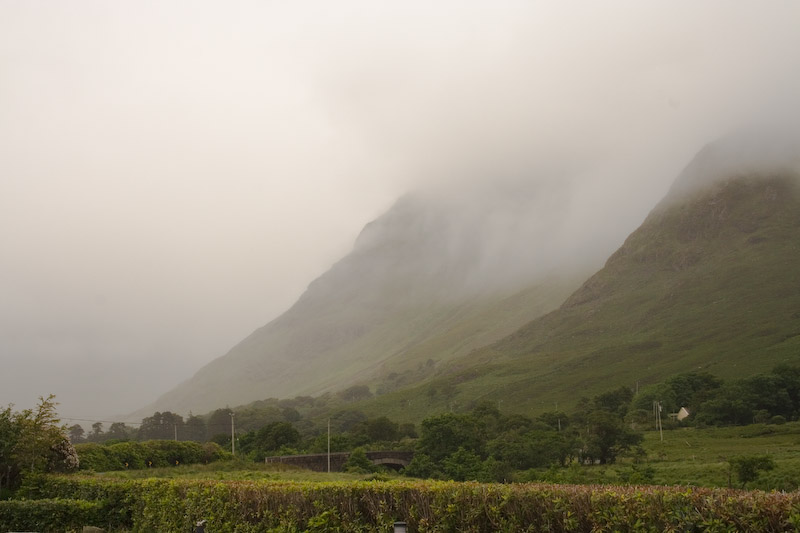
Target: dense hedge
column 151, row 453
column 52, row 515
column 261, row 506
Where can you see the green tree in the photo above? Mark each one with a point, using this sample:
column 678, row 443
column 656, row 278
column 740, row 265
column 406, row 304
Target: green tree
column 381, row 430
column 347, row 420
column 684, row 390
column 269, row 440
column 749, row 467
column 730, row 404
column 444, row 434
column 291, row 414
column 616, row 401
column 9, row 434
column 554, row 420
column 358, row 462
column 521, row 450
column 161, row 426
column 33, row 441
column 97, row 434
column 219, row 423
column 195, row 429
column 421, row 466
column 607, row 436
column 340, row 442
column 355, row 393
column 407, row 430
column 464, row 465
column 76, row 434
column 118, row 431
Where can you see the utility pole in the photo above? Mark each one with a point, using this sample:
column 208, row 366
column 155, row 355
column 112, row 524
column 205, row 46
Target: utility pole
column 329, row 445
column 657, row 414
column 175, row 426
column 559, row 417
column 233, row 437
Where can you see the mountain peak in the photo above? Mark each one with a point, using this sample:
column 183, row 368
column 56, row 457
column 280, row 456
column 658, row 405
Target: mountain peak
column 760, row 151
column 433, row 278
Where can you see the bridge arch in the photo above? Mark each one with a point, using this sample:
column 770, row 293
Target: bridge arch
column 393, row 463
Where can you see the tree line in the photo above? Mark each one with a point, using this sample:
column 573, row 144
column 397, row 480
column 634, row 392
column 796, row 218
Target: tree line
column 773, row 397
column 481, row 443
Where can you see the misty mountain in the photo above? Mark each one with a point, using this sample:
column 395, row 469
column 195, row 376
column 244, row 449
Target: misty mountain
column 437, row 276
column 709, row 282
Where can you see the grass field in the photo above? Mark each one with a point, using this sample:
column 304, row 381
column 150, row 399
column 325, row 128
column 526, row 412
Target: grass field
column 697, row 457
column 700, row 456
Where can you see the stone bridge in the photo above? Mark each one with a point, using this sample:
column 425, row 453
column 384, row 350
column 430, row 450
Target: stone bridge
column 318, row 462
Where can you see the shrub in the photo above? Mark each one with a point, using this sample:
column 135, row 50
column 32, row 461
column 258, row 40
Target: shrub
column 260, row 506
column 48, row 515
column 748, row 467
column 153, row 453
column 358, row 462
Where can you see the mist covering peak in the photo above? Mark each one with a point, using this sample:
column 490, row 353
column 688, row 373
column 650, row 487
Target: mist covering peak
column 442, row 272
column 761, row 150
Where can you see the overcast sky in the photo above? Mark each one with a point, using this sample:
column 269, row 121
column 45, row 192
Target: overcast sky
column 174, row 174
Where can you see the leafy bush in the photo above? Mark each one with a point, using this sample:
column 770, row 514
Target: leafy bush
column 152, row 453
column 358, row 462
column 748, row 467
column 48, row 515
column 261, row 506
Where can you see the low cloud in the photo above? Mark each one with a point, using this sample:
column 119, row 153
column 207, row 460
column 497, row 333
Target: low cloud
column 173, row 176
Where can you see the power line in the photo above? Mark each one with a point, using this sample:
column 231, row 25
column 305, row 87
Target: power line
column 103, row 421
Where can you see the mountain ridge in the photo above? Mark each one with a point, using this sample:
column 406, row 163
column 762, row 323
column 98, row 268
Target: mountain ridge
column 412, row 289
column 699, row 285
column 706, row 283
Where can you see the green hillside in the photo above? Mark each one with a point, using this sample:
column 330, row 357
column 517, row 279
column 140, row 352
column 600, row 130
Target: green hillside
column 425, row 283
column 709, row 282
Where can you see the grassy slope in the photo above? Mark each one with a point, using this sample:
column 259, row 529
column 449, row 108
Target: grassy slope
column 699, row 456
column 344, row 346
column 708, row 282
column 407, row 293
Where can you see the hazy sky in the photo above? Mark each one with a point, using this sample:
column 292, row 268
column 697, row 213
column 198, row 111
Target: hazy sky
column 174, row 174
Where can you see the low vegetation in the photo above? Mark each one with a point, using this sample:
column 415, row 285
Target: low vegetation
column 32, row 441
column 607, row 431
column 559, row 462
column 148, row 454
column 253, row 506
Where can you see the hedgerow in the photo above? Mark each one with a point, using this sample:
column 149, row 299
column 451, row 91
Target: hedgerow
column 427, row 506
column 48, row 515
column 152, row 453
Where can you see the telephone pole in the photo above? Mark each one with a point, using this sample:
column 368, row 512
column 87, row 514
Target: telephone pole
column 329, row 445
column 233, row 437
column 657, row 414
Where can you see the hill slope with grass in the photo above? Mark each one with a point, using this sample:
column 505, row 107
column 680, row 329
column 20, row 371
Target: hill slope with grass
column 709, row 282
column 431, row 280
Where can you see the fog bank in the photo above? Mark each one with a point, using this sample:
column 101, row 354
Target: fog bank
column 172, row 176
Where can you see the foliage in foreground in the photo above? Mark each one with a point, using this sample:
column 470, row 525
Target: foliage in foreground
column 427, row 506
column 49, row 515
column 32, row 441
